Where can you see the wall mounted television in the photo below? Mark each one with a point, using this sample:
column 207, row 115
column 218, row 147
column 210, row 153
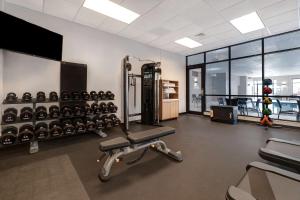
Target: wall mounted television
column 21, row 36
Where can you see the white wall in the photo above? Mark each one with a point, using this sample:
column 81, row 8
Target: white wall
column 101, row 51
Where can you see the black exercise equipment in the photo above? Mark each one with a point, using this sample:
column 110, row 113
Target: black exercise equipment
column 264, row 181
column 101, row 95
column 94, row 95
column 40, row 97
column 100, row 124
column 41, row 131
column 103, row 107
column 54, row 112
column 96, row 109
column 41, row 113
column 225, row 114
column 114, row 120
column 26, row 114
column 79, row 126
column 78, row 110
column 11, row 98
column 26, row 133
column 9, row 135
column 116, row 148
column 65, row 96
column 68, row 128
column 87, row 109
column 10, row 115
column 53, row 96
column 90, row 125
column 66, row 111
column 85, row 95
column 107, row 121
column 55, row 129
column 76, row 95
column 112, row 108
column 109, row 95
column 282, row 152
column 27, row 98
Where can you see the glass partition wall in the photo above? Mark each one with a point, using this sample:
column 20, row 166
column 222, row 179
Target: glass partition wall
column 233, row 76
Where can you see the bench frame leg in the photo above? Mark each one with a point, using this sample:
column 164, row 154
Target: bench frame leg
column 114, row 155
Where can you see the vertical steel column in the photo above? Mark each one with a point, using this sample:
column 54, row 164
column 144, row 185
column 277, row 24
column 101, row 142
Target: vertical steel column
column 126, row 68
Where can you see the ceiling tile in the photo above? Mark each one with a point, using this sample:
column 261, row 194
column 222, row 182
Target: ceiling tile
column 146, row 37
column 112, row 25
column 259, row 4
column 280, row 19
column 220, row 5
column 287, row 26
column 278, row 8
column 176, row 23
column 220, row 28
column 140, row 6
column 90, row 18
column 130, row 32
column 65, row 9
column 31, row 4
column 238, row 10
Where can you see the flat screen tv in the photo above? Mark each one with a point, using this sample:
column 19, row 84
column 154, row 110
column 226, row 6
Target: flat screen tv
column 21, row 36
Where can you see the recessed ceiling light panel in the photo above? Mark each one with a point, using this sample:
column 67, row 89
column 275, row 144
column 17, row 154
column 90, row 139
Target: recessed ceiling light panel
column 248, row 23
column 187, row 42
column 112, row 10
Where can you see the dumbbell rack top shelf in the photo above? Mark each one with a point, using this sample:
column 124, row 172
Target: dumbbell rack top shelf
column 19, row 101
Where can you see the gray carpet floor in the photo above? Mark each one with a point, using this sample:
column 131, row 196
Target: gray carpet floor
column 215, row 157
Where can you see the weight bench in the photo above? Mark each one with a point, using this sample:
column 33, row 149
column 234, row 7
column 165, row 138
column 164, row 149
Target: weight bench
column 283, row 152
column 263, row 181
column 115, row 148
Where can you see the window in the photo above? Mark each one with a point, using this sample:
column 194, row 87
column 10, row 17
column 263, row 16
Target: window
column 283, row 68
column 247, row 49
column 296, row 87
column 280, row 42
column 195, row 59
column 217, row 55
column 246, row 76
column 216, row 81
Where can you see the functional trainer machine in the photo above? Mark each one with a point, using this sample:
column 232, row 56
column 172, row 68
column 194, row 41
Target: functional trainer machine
column 150, row 76
column 115, row 149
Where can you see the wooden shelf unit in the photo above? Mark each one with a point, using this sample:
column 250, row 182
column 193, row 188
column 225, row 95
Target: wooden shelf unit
column 169, row 99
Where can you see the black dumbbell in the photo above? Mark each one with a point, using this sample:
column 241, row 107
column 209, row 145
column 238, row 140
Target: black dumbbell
column 78, row 110
column 41, row 113
column 66, row 111
column 9, row 135
column 54, row 112
column 26, row 97
column 109, row 95
column 40, row 96
column 106, row 120
column 85, row 95
column 76, row 96
column 87, row 109
column 26, row 114
column 114, row 120
column 41, row 131
column 112, row 108
column 103, row 107
column 101, row 95
column 100, row 124
column 53, row 96
column 79, row 126
column 68, row 128
column 55, row 129
column 10, row 115
column 95, row 108
column 90, row 125
column 25, row 133
column 94, row 95
column 11, row 98
column 65, row 96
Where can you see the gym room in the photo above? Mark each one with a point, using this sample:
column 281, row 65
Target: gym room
column 150, row 99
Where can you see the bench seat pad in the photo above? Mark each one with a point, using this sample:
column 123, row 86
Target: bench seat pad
column 116, row 143
column 151, row 134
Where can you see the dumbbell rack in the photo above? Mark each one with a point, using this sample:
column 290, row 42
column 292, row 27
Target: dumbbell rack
column 34, row 144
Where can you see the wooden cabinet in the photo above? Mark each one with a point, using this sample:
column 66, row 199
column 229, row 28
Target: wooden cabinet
column 169, row 101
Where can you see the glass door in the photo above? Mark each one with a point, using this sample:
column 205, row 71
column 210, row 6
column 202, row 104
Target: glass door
column 195, row 89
